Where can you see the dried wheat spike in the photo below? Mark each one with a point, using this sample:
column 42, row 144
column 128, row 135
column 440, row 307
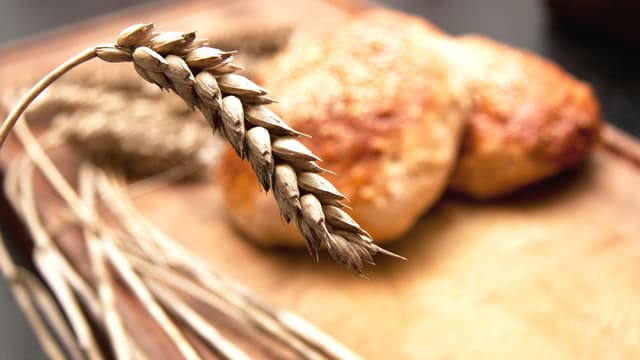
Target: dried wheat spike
column 204, row 77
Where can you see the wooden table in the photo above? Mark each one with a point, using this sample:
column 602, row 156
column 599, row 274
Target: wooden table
column 553, row 272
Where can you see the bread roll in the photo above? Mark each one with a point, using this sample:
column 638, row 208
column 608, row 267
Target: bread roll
column 388, row 99
column 376, row 97
column 529, row 119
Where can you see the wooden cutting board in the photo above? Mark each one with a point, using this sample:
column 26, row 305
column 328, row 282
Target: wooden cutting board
column 552, row 272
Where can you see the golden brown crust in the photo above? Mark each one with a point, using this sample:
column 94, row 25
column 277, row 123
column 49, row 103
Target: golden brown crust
column 529, row 119
column 375, row 97
column 385, row 98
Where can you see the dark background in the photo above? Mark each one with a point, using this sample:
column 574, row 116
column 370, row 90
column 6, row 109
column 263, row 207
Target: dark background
column 610, row 63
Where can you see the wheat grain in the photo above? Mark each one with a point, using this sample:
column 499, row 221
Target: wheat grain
column 164, row 258
column 202, row 76
column 173, row 62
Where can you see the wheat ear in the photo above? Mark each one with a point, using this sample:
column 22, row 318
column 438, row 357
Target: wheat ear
column 204, row 77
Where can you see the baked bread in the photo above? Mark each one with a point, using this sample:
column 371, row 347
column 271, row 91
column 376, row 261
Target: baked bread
column 387, row 98
column 529, row 119
column 376, row 98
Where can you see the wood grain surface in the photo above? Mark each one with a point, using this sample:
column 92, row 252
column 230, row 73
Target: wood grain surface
column 552, row 272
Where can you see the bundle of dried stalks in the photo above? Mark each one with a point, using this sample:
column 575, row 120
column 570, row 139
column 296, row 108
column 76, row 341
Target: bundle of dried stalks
column 159, row 273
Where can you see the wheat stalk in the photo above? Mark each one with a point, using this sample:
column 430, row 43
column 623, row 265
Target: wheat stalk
column 204, row 77
column 152, row 276
column 23, row 291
